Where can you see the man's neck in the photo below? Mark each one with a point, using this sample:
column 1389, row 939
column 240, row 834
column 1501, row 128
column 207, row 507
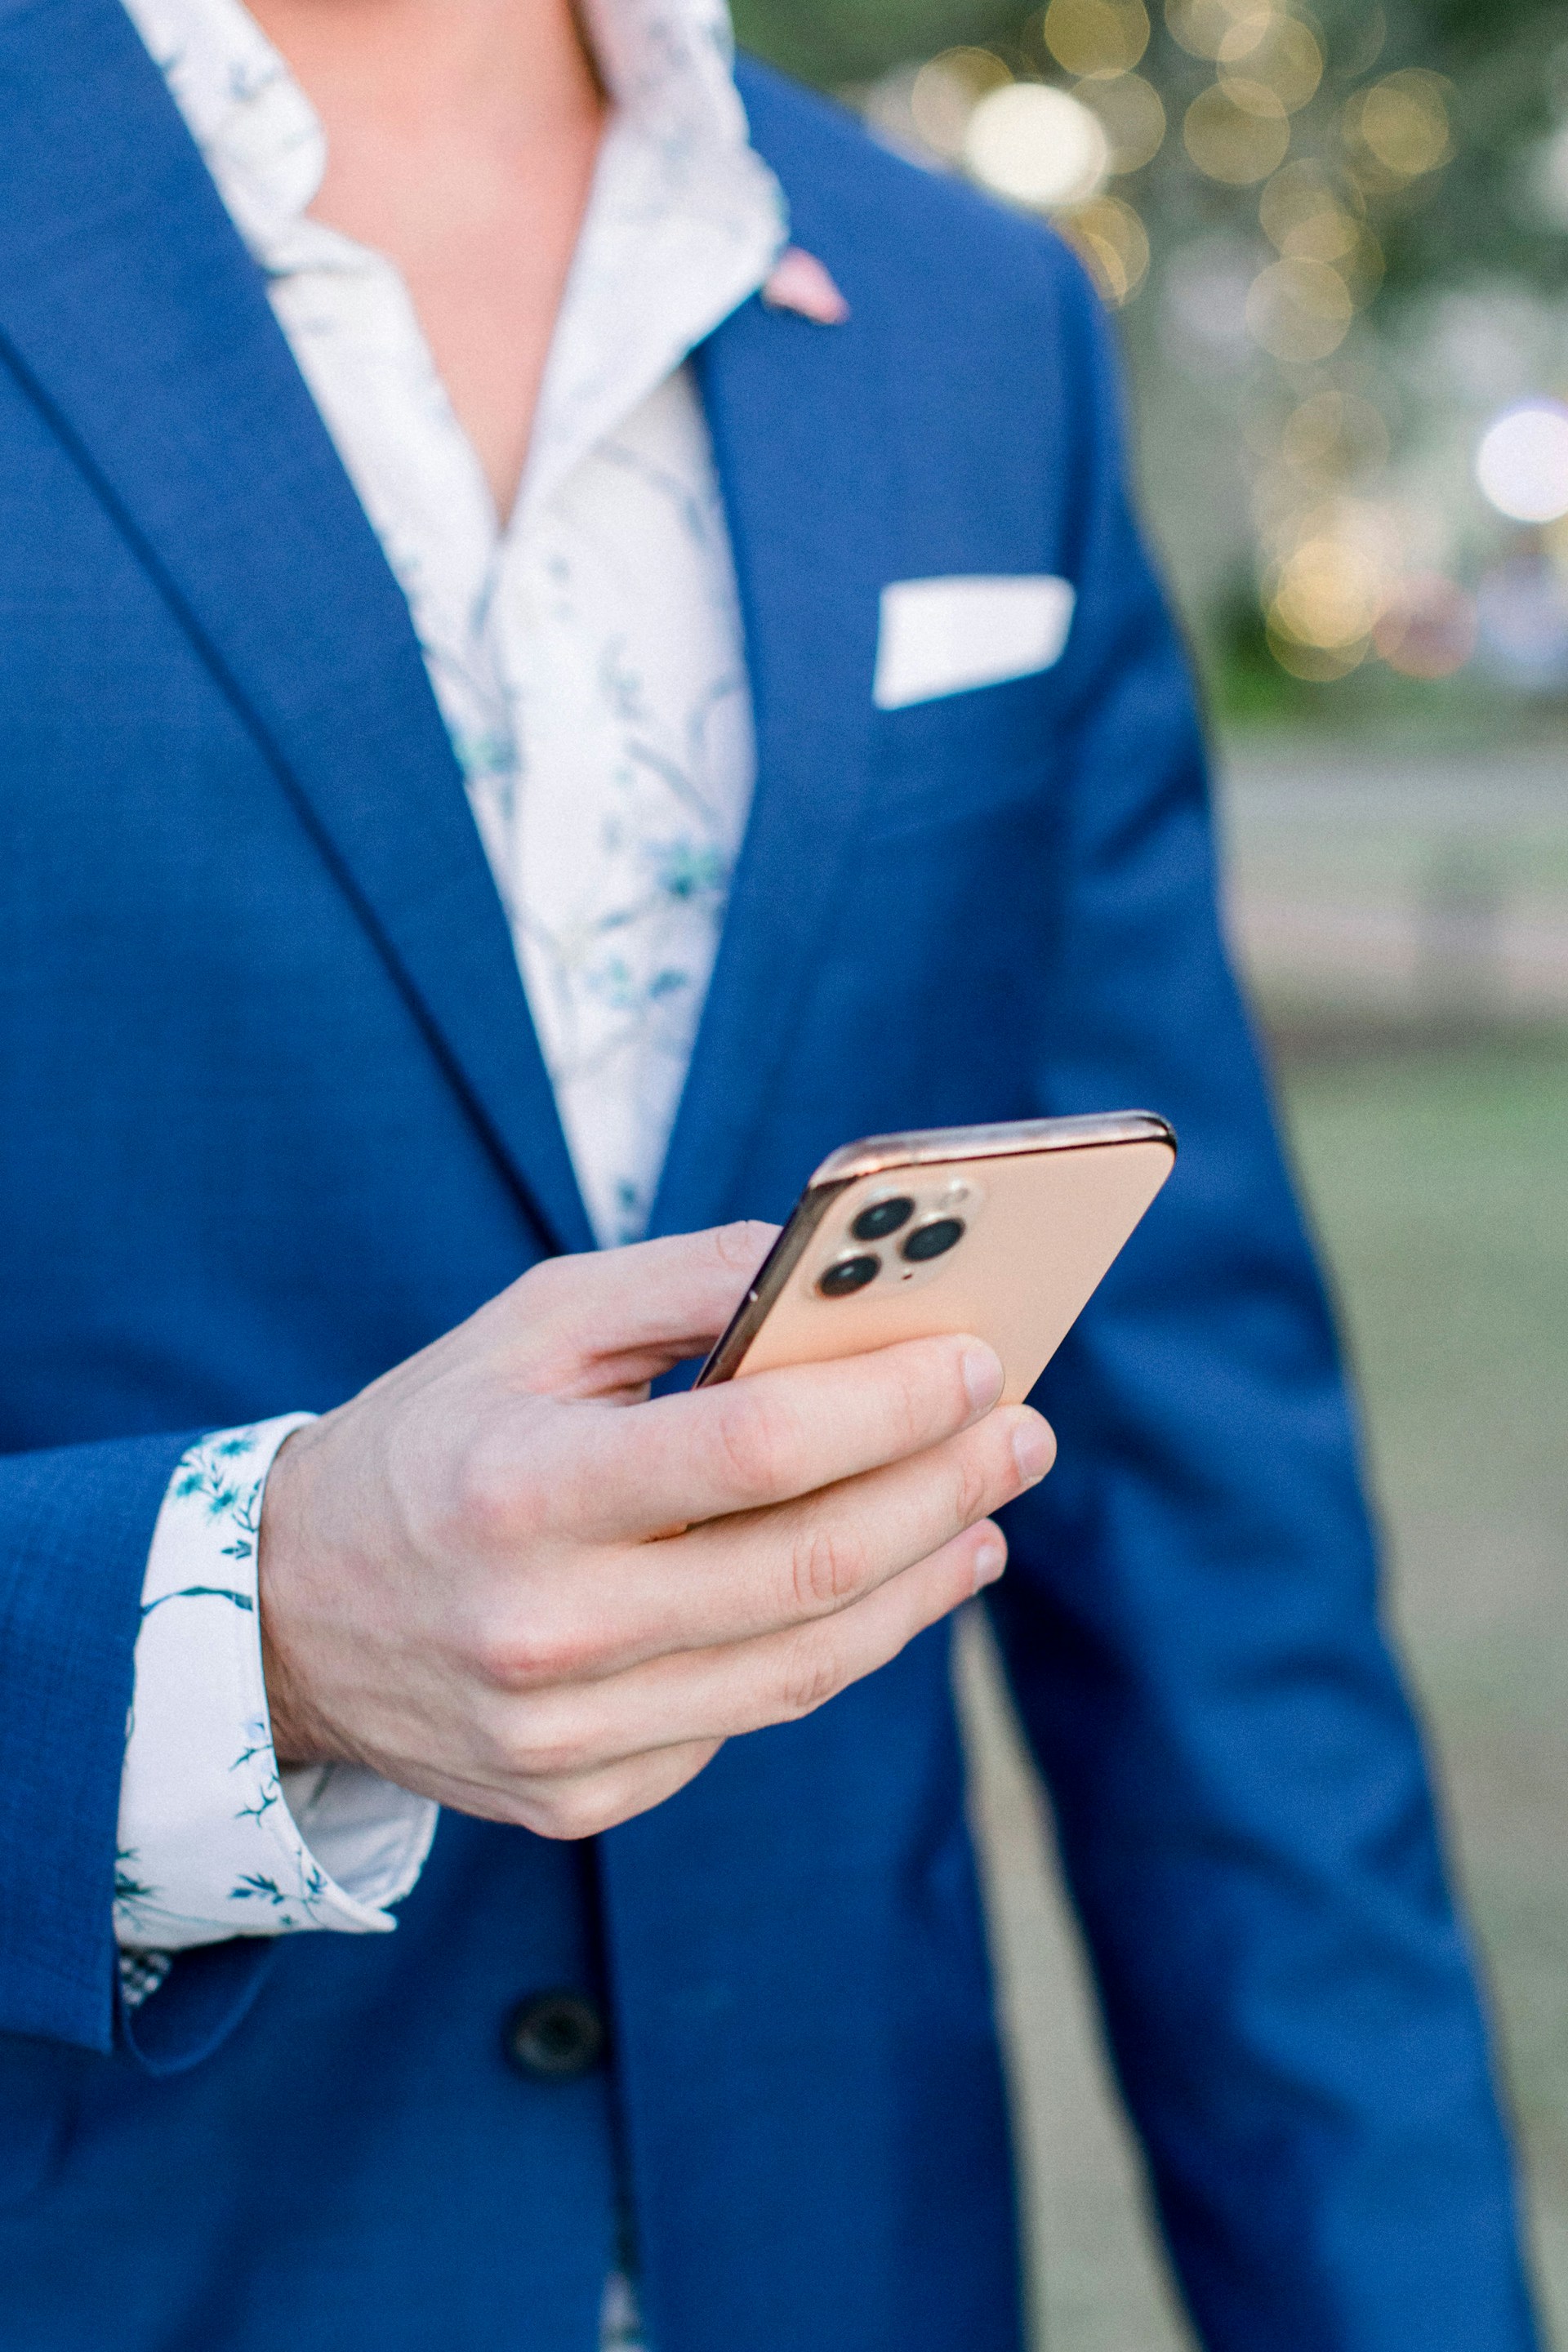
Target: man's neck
column 461, row 136
column 518, row 68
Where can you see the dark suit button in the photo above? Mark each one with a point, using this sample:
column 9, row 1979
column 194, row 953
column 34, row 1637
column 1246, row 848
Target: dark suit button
column 554, row 2037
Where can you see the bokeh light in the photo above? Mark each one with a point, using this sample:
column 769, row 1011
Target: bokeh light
column 1096, row 36
column 1275, row 52
column 946, row 93
column 1335, row 435
column 1203, row 26
column 1113, row 243
column 1316, row 664
column 1300, row 311
column 1337, row 564
column 1037, row 146
column 1307, row 215
column 1329, row 594
column 1522, row 462
column 1546, row 179
column 1236, row 143
column 1429, row 627
column 1401, row 125
column 1134, row 118
column 1263, row 238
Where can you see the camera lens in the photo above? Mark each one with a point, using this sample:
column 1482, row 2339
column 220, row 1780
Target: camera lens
column 882, row 1218
column 933, row 1240
column 851, row 1273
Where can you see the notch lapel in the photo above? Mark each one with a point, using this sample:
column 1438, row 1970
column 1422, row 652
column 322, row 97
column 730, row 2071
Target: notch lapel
column 803, row 448
column 132, row 311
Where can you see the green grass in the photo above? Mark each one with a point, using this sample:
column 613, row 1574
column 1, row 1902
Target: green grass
column 1439, row 1187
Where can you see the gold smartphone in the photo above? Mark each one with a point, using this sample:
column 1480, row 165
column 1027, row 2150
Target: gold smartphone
column 1004, row 1231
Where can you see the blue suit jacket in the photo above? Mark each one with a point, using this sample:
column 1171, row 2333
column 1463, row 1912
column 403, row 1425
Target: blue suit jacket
column 272, row 1116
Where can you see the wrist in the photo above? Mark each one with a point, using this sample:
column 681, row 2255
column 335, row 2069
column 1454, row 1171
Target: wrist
column 298, row 1735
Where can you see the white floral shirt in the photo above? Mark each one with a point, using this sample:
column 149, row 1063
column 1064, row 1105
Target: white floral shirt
column 587, row 659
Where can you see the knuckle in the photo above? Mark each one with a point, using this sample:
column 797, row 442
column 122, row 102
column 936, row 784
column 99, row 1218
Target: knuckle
column 514, row 1657
column 545, row 1752
column 827, row 1566
column 973, row 1485
column 937, row 1394
column 543, row 1285
column 741, row 1247
column 493, row 1504
column 541, row 1815
column 569, row 1812
column 909, row 1404
column 752, row 1446
column 812, row 1674
column 547, row 1305
column 924, row 1399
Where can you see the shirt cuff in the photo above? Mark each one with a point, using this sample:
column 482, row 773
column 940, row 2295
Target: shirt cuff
column 215, row 1840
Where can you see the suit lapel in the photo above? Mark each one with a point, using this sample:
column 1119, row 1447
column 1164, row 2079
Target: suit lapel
column 801, row 448
column 130, row 308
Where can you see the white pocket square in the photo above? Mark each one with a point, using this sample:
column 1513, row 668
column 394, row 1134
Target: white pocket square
column 944, row 636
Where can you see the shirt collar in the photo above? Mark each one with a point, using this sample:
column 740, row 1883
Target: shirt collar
column 671, row 65
column 257, row 131
column 684, row 221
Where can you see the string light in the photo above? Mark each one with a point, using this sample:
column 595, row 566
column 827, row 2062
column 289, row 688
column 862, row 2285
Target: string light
column 1346, row 574
column 1234, row 143
column 1300, row 311
column 1203, row 26
column 946, row 93
column 1522, row 462
column 1039, row 146
column 1400, row 126
column 1113, row 243
column 1133, row 117
column 1276, row 52
column 1095, row 38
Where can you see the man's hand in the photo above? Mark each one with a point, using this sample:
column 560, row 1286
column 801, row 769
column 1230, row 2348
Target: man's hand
column 468, row 1578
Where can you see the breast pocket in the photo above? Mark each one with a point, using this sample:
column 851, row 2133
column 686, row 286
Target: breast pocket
column 964, row 754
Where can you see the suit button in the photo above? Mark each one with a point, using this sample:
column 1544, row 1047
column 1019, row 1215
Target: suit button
column 554, row 2037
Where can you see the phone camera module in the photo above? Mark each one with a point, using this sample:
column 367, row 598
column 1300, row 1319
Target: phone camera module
column 849, row 1275
column 882, row 1218
column 933, row 1240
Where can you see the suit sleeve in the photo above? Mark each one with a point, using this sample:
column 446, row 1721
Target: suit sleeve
column 75, row 1529
column 141, row 1805
column 1191, row 1620
column 76, row 1526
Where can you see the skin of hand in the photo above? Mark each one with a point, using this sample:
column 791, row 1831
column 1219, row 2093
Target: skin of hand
column 467, row 1577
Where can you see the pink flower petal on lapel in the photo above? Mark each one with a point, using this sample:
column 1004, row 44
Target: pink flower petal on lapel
column 799, row 282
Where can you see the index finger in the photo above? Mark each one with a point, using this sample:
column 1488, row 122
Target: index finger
column 634, row 1310
column 644, row 1469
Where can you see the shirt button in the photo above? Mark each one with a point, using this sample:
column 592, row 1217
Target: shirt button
column 554, row 2037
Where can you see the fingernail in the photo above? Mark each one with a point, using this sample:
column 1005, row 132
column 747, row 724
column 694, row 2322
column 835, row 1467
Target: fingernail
column 1034, row 1450
column 990, row 1559
column 982, row 1377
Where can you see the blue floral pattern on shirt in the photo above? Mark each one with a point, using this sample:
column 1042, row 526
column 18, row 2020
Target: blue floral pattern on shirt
column 587, row 656
column 211, row 1758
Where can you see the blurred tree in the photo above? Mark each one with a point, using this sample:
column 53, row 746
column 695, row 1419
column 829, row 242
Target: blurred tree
column 1497, row 203
column 1343, row 247
column 835, row 42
